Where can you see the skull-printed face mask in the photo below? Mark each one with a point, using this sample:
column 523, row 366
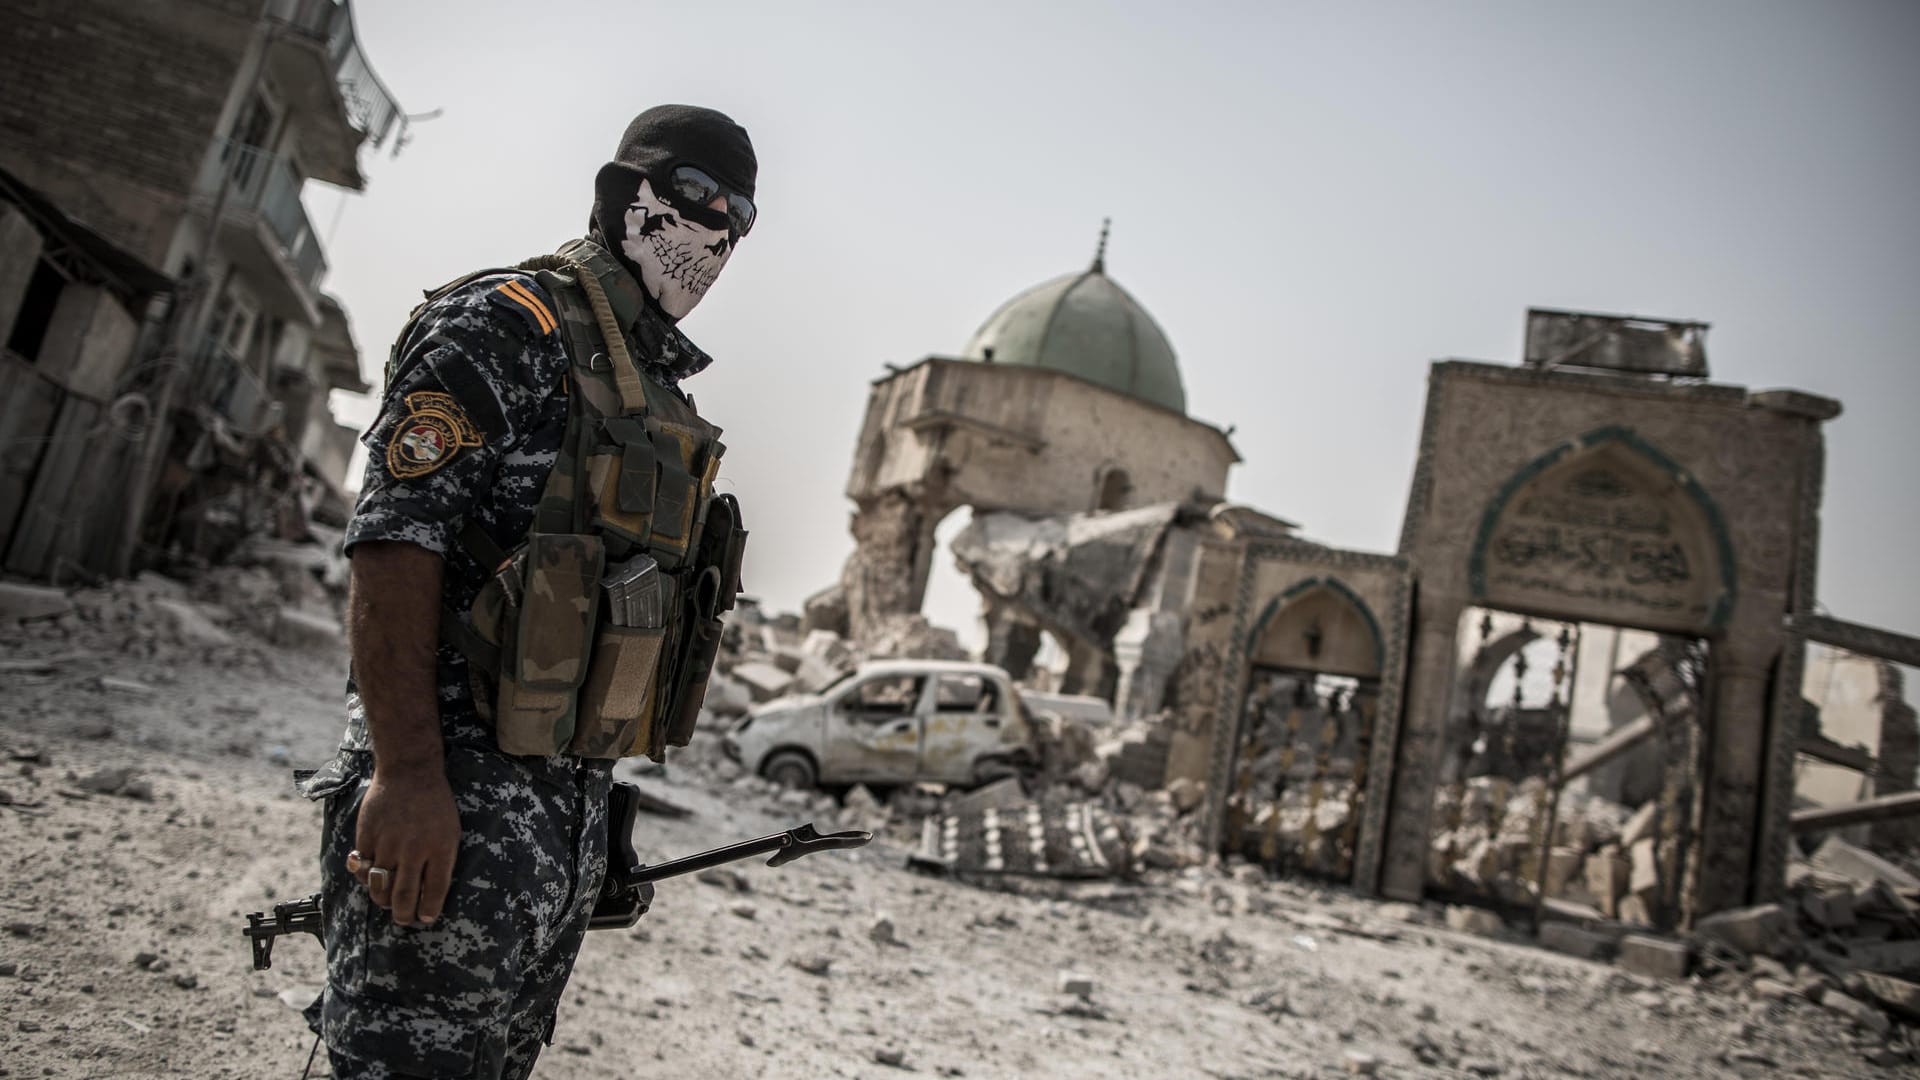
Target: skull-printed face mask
column 677, row 258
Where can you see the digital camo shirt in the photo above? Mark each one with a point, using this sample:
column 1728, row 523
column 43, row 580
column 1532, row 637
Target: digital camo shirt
column 470, row 424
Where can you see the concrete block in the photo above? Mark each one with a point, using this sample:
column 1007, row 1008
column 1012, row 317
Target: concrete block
column 1655, row 958
column 1002, row 794
column 1836, row 856
column 1574, row 941
column 1607, row 874
column 1564, row 865
column 21, row 602
column 1897, row 996
column 1830, row 909
column 1080, row 986
column 1473, row 920
column 1861, row 1013
column 1635, row 910
column 763, row 681
column 1882, row 955
column 1640, row 826
column 1756, row 931
column 1643, row 874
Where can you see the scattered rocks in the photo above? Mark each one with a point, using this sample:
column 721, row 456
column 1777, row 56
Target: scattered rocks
column 119, row 780
column 1080, row 986
column 744, row 910
column 1857, row 1011
column 1755, row 931
column 1655, row 958
column 1473, row 920
column 1897, row 996
column 882, row 932
column 891, row 1057
column 115, row 685
column 721, row 877
column 812, row 963
column 1360, row 1064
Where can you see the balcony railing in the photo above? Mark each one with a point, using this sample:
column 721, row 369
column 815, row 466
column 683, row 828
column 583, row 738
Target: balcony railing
column 268, row 185
column 371, row 107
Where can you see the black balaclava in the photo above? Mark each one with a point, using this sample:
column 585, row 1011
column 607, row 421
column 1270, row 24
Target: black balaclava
column 674, row 251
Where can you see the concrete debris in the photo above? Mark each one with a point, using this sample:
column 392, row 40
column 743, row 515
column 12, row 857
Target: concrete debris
column 1765, row 929
column 1003, row 794
column 1861, row 866
column 860, row 810
column 1897, row 996
column 1359, row 1064
column 1473, row 920
column 1654, row 958
column 1857, row 1011
column 912, row 637
column 1574, row 941
column 1080, row 986
column 764, row 681
column 812, row 963
column 727, row 696
column 195, row 624
column 882, row 931
column 19, row 603
column 130, row 687
column 119, row 780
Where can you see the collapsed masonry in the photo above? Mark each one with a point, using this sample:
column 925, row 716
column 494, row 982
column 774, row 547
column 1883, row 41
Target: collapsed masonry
column 1574, row 692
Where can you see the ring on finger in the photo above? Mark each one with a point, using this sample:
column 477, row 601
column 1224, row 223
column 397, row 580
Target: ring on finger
column 379, row 875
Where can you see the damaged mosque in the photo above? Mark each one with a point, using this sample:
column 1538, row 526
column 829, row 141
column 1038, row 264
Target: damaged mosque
column 1582, row 681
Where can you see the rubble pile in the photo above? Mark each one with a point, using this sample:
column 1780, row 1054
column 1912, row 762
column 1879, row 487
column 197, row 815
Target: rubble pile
column 222, row 614
column 1606, row 861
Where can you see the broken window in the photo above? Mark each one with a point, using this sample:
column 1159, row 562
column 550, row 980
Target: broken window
column 885, row 697
column 963, row 694
column 36, row 310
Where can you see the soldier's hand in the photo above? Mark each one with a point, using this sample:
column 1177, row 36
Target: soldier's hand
column 410, row 826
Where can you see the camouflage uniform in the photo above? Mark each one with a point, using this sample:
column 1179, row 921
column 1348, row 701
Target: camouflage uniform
column 471, row 424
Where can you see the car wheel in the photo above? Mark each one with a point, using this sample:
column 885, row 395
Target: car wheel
column 791, row 769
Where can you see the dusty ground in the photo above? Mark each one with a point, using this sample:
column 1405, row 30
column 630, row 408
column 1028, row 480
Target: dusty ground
column 122, row 956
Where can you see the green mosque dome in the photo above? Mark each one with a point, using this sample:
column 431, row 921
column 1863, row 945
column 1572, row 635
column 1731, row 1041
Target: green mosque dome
column 1085, row 325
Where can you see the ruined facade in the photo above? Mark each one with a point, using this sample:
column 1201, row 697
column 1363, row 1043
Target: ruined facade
column 1067, row 401
column 168, row 344
column 1576, row 684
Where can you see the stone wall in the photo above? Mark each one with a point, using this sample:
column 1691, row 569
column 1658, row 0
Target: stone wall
column 1749, row 464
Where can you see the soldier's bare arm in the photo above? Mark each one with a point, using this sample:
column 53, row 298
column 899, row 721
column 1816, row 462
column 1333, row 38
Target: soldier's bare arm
column 408, row 822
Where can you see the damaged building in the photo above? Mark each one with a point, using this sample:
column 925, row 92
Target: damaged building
column 1579, row 688
column 169, row 348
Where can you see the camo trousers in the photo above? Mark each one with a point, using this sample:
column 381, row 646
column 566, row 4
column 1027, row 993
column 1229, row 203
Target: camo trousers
column 474, row 994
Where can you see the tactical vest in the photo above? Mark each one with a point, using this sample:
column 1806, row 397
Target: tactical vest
column 596, row 634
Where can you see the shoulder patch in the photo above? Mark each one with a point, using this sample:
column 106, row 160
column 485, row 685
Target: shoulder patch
column 519, row 298
column 434, row 430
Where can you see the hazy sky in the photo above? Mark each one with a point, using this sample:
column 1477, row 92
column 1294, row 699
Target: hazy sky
column 1314, row 200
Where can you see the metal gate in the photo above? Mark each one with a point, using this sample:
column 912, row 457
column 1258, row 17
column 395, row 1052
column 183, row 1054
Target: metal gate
column 1518, row 821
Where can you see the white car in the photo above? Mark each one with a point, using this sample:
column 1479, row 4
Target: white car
column 890, row 722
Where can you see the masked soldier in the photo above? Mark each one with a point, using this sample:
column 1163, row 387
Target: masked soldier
column 539, row 564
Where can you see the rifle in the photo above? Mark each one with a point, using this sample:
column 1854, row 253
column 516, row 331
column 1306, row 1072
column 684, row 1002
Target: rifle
column 625, row 893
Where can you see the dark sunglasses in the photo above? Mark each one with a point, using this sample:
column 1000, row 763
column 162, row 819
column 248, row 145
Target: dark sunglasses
column 694, row 191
